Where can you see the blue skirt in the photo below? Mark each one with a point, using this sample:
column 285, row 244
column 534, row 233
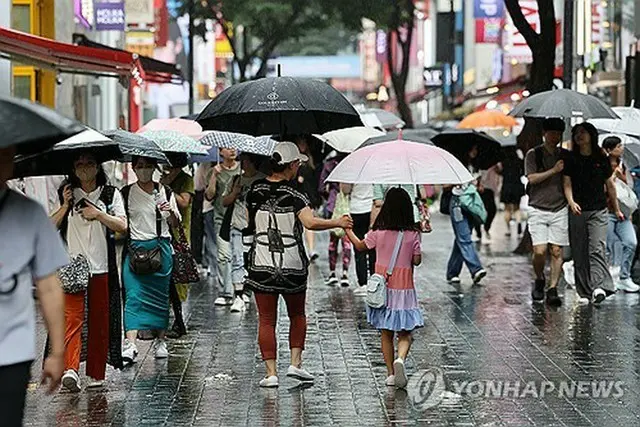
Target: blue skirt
column 146, row 305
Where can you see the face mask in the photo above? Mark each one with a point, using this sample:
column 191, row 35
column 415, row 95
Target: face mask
column 144, row 174
column 86, row 174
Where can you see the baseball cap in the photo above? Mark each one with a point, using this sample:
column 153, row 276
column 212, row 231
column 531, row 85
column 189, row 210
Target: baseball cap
column 286, row 152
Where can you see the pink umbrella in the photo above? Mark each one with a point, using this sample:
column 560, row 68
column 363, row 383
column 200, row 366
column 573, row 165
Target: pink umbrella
column 400, row 162
column 186, row 127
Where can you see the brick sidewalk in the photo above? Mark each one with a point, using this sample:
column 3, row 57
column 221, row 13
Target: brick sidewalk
column 471, row 334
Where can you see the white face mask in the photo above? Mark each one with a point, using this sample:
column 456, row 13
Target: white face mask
column 144, row 174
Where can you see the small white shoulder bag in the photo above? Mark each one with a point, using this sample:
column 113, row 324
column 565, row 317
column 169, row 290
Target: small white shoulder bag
column 377, row 284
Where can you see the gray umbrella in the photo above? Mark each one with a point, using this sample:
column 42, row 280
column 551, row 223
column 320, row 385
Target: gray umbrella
column 33, row 127
column 563, row 103
column 415, row 135
column 379, row 118
column 133, row 144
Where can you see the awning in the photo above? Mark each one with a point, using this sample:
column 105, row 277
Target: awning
column 69, row 58
column 152, row 67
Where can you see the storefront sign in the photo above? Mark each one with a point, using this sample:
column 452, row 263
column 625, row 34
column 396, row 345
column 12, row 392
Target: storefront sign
column 139, row 12
column 488, row 30
column 434, row 77
column 381, row 46
column 140, row 42
column 110, row 16
column 83, row 12
column 488, row 9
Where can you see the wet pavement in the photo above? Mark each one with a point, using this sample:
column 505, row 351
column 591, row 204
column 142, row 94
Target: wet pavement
column 472, row 335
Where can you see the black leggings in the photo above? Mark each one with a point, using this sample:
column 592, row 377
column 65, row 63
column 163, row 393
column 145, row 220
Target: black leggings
column 14, row 380
column 489, row 200
column 365, row 260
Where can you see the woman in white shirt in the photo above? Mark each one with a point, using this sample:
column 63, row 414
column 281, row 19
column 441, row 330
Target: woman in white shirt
column 90, row 213
column 148, row 260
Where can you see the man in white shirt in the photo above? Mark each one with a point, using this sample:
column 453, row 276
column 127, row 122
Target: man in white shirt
column 361, row 204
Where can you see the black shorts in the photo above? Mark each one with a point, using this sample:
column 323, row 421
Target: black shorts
column 13, row 392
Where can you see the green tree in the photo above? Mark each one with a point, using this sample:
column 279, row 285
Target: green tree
column 396, row 17
column 255, row 28
column 333, row 40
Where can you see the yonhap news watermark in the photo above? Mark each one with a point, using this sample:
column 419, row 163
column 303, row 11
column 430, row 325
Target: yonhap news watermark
column 427, row 389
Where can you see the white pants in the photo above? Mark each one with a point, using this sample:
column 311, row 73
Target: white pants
column 549, row 227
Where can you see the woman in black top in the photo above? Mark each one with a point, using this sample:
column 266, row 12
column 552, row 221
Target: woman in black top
column 308, row 178
column 278, row 265
column 587, row 174
column 512, row 170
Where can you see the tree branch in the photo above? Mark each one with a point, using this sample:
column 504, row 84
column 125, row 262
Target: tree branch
column 531, row 37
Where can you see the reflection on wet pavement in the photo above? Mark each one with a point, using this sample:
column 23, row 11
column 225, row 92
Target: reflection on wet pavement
column 472, row 334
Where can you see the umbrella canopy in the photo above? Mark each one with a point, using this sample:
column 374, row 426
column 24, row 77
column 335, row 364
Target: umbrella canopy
column 349, row 139
column 460, row 141
column 422, row 136
column 58, row 160
column 132, row 144
column 509, row 139
column 171, row 141
column 629, row 122
column 400, row 162
column 262, row 145
column 563, row 103
column 487, row 119
column 281, row 106
column 33, row 127
column 189, row 128
column 379, row 118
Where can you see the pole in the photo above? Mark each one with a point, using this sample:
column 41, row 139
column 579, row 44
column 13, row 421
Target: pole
column 453, row 53
column 568, row 44
column 190, row 58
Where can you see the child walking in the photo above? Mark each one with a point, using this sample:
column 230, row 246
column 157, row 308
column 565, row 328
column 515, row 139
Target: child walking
column 401, row 314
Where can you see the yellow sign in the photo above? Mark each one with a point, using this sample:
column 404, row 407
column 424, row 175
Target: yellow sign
column 223, row 47
column 140, row 42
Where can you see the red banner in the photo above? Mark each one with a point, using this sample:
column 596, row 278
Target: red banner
column 488, row 30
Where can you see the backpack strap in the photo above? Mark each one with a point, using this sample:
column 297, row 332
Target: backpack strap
column 539, row 158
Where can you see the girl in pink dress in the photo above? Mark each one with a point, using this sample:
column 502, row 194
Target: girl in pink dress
column 401, row 314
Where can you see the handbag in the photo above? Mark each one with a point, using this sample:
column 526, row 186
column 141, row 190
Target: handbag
column 445, row 202
column 75, row 276
column 471, row 203
column 627, row 198
column 341, row 208
column 185, row 269
column 377, row 284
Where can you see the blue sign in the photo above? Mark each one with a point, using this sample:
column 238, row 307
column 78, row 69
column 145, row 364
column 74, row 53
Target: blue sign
column 109, row 16
column 488, row 9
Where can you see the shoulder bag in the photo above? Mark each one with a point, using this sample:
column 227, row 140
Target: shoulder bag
column 472, row 204
column 377, row 284
column 627, row 198
column 74, row 277
column 185, row 269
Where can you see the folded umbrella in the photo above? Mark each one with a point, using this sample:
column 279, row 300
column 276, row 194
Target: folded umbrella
column 423, row 136
column 33, row 127
column 58, row 160
column 280, row 106
column 563, row 103
column 132, row 144
column 349, row 139
column 460, row 141
column 628, row 124
column 175, row 142
column 400, row 162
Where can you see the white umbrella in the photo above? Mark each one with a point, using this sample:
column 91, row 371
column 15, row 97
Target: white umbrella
column 347, row 140
column 400, row 162
column 629, row 122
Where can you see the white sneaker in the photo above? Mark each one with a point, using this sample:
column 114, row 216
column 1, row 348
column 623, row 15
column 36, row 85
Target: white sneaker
column 238, row 305
column 269, row 382
column 390, row 381
column 569, row 273
column 598, row 296
column 360, row 291
column 583, row 301
column 477, row 278
column 627, row 285
column 161, row 350
column 332, row 280
column 71, row 381
column 299, row 373
column 129, row 352
column 475, row 239
column 222, row 301
column 246, row 298
column 454, row 280
column 93, row 383
column 401, row 379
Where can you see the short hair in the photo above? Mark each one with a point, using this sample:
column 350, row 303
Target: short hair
column 611, row 142
column 553, row 124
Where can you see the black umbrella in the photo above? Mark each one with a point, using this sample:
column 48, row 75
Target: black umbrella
column 563, row 103
column 133, row 144
column 279, row 105
column 58, row 160
column 423, row 135
column 33, row 127
column 460, row 141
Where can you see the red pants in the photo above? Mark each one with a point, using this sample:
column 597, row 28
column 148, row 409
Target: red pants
column 268, row 317
column 98, row 327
